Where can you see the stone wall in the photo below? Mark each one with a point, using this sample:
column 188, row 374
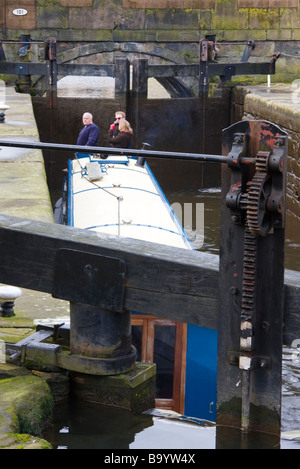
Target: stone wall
column 176, row 25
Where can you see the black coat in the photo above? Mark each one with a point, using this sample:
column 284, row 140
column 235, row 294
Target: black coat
column 121, row 140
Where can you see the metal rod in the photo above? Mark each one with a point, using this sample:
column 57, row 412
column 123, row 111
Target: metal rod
column 115, row 151
column 245, row 417
column 119, row 214
column 22, row 42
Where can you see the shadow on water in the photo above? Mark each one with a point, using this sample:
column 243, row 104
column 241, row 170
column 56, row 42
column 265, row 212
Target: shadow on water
column 85, row 426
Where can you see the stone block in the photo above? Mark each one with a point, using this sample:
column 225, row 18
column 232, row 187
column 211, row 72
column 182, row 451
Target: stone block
column 264, row 18
column 279, row 34
column 22, row 22
column 26, row 403
column 2, row 15
column 242, row 35
column 95, row 35
column 133, row 36
column 296, row 34
column 134, row 390
column 252, row 3
column 226, row 16
column 183, row 4
column 182, row 36
column 268, row 3
column 172, row 19
column 53, row 16
column 288, row 19
column 76, row 3
column 205, row 19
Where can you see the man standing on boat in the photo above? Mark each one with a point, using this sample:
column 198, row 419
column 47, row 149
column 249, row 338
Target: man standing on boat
column 89, row 135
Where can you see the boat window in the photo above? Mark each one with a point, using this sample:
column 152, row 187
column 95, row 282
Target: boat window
column 163, row 342
column 137, row 341
column 164, row 350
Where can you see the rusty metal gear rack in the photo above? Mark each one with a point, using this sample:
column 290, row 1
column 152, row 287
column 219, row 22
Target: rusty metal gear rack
column 251, row 276
column 252, row 269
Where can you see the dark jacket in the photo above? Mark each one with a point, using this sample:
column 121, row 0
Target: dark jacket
column 89, row 135
column 121, row 140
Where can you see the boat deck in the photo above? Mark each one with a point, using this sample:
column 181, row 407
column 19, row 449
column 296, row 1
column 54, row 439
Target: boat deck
column 125, row 200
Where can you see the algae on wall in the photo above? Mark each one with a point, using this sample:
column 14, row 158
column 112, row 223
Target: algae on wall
column 169, row 22
column 26, row 404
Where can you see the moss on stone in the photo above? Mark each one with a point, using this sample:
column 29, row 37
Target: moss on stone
column 26, row 404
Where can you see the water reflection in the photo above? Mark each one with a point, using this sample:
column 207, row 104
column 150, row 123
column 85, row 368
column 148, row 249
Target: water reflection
column 209, row 234
column 291, row 390
column 211, row 198
column 85, row 426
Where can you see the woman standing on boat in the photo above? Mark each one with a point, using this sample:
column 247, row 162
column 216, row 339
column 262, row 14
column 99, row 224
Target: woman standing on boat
column 124, row 137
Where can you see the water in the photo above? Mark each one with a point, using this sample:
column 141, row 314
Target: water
column 85, row 427
column 211, row 200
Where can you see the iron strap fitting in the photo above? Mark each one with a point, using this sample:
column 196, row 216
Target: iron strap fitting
column 55, row 357
column 88, row 278
column 249, row 362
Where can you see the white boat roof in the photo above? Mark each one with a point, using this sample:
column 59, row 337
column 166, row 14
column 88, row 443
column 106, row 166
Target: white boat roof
column 125, row 201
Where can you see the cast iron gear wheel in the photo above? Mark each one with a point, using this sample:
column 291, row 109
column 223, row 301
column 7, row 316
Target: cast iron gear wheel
column 258, row 218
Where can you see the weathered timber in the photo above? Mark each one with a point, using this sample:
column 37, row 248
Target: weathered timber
column 168, row 282
column 251, row 286
column 239, row 68
column 173, row 283
column 154, row 71
column 87, row 70
column 176, row 70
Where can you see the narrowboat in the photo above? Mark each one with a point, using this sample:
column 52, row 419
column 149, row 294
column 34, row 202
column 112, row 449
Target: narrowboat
column 120, row 196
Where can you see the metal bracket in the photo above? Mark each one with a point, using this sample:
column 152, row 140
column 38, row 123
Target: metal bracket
column 243, row 165
column 54, row 357
column 22, row 69
column 91, row 279
column 249, row 362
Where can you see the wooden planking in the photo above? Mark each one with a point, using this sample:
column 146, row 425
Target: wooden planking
column 153, row 71
column 172, row 283
column 168, row 282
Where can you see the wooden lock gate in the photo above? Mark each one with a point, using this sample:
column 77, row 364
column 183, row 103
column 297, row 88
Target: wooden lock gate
column 251, row 273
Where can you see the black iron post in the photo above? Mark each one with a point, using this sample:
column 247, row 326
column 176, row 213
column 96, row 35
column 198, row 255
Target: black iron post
column 203, row 66
column 51, row 71
column 251, row 277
